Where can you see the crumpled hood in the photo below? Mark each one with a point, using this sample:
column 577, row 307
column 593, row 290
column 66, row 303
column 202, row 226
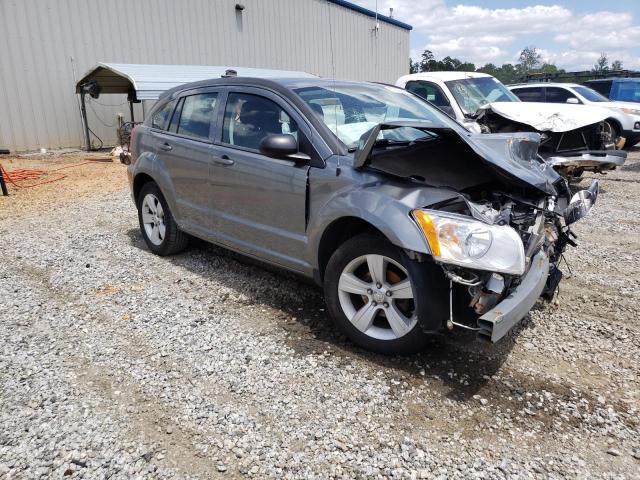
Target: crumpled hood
column 513, row 156
column 549, row 117
column 517, row 154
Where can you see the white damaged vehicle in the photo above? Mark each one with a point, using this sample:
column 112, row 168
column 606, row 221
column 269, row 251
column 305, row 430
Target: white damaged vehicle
column 575, row 138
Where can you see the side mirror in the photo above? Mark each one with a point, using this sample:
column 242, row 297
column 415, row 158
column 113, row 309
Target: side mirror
column 573, row 100
column 279, row 145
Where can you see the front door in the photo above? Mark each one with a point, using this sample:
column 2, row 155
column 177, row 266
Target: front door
column 259, row 202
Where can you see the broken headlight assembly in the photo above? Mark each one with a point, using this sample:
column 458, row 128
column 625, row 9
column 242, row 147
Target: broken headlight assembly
column 460, row 240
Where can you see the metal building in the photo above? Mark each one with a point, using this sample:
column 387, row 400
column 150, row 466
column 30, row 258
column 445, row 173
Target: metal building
column 48, row 45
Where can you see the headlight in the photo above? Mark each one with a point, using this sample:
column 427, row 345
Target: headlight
column 463, row 241
column 631, row 111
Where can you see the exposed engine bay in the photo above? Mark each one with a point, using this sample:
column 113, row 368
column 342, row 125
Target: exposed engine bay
column 540, row 227
column 498, row 184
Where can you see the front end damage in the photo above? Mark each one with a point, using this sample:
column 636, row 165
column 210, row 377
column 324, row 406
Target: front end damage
column 500, row 237
column 500, row 300
column 572, row 141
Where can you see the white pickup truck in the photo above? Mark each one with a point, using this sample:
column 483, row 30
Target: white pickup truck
column 575, row 138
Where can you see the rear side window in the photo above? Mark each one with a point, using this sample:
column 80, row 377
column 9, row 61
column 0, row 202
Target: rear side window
column 601, row 87
column 626, row 91
column 558, row 95
column 161, row 117
column 534, row 94
column 196, row 115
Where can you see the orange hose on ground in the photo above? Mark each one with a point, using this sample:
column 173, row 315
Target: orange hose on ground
column 21, row 174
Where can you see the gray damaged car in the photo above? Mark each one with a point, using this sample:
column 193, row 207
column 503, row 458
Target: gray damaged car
column 411, row 224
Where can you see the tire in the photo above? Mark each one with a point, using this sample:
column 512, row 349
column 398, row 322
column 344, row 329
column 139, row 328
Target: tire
column 162, row 235
column 615, row 131
column 348, row 297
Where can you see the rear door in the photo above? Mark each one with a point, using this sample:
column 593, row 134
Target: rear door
column 260, row 202
column 186, row 148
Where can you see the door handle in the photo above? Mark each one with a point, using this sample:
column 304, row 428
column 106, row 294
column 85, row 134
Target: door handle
column 166, row 147
column 224, row 160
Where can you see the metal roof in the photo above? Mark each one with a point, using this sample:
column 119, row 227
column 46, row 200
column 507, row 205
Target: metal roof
column 372, row 14
column 148, row 82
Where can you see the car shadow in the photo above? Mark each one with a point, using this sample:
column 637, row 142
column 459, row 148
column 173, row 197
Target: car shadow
column 462, row 364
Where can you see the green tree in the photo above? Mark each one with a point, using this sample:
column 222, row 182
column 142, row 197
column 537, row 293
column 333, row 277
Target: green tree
column 602, row 65
column 466, row 67
column 507, row 73
column 548, row 68
column 616, row 65
column 529, row 60
column 427, row 59
column 414, row 67
column 489, row 69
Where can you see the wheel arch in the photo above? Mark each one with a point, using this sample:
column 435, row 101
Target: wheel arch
column 139, row 181
column 338, row 232
column 345, row 227
column 381, row 208
column 149, row 168
column 615, row 123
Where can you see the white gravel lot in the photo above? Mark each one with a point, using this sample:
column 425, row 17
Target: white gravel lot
column 115, row 363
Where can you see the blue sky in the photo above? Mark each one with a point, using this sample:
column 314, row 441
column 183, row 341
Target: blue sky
column 569, row 33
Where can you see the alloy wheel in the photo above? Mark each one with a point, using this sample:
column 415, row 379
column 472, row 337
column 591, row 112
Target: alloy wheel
column 376, row 296
column 153, row 219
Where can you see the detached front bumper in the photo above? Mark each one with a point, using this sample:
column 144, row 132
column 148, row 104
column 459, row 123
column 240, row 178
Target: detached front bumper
column 505, row 315
column 596, row 161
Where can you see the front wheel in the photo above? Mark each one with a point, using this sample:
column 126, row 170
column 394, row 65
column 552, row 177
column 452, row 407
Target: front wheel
column 611, row 135
column 159, row 229
column 382, row 300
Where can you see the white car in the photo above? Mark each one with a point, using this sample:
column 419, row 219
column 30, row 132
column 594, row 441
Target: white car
column 625, row 116
column 575, row 138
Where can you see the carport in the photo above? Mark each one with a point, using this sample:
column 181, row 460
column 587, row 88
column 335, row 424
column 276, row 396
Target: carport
column 147, row 82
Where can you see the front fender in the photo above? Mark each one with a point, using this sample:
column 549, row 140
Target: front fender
column 385, row 206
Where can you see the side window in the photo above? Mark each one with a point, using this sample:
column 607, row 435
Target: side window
column 534, row 94
column 430, row 92
column 248, row 119
column 603, row 88
column 558, row 95
column 161, row 117
column 173, row 125
column 197, row 114
column 626, row 91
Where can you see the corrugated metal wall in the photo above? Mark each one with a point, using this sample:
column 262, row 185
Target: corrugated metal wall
column 39, row 39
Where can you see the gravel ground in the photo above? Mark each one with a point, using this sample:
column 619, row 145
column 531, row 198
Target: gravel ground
column 115, row 363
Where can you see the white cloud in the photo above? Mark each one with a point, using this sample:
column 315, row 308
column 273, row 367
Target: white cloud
column 482, row 49
column 480, row 35
column 586, row 59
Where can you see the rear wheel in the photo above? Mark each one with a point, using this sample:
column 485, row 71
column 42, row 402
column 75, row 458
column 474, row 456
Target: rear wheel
column 380, row 299
column 158, row 227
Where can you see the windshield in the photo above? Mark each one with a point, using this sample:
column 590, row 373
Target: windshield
column 350, row 110
column 627, row 91
column 473, row 93
column 590, row 94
